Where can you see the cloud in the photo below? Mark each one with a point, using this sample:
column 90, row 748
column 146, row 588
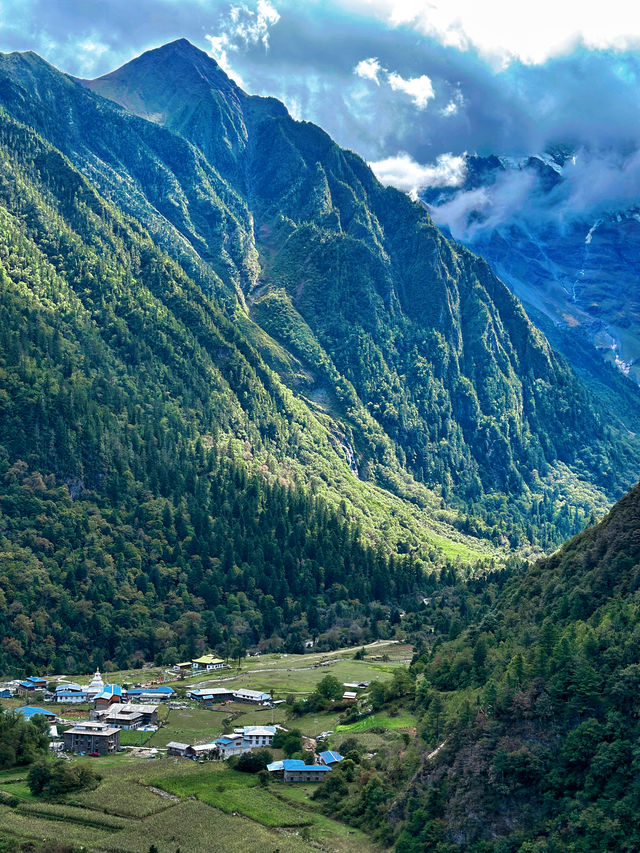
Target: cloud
column 368, row 69
column 419, row 89
column 403, row 172
column 252, row 27
column 242, row 28
column 590, row 185
column 486, row 208
column 454, row 105
column 505, row 31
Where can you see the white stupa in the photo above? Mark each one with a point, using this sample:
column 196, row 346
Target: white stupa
column 96, row 686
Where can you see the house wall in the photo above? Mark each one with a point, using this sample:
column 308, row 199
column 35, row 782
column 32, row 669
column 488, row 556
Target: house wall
column 91, row 742
column 302, row 776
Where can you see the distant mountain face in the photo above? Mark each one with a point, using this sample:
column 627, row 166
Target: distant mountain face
column 422, row 364
column 554, row 231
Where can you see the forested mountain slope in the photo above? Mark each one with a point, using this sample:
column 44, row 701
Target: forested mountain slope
column 535, row 710
column 229, row 358
column 135, row 519
column 423, row 357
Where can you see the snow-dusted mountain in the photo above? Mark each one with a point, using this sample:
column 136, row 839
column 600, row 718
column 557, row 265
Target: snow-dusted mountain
column 562, row 229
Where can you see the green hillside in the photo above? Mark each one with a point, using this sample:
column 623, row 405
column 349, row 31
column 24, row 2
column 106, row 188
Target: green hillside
column 245, row 391
column 528, row 720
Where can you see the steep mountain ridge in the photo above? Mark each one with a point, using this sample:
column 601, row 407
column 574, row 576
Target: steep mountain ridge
column 295, row 175
column 424, row 358
column 540, row 709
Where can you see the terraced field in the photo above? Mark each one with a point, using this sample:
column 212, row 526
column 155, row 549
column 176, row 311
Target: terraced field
column 202, row 808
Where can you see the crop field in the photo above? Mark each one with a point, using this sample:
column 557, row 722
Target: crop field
column 232, row 792
column 175, row 803
column 383, row 721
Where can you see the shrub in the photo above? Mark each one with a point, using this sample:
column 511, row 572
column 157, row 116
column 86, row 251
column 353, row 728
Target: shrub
column 254, row 762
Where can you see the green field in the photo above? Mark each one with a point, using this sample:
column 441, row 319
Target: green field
column 208, row 807
column 382, row 720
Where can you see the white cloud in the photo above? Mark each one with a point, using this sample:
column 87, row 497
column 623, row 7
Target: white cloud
column 252, row 27
column 369, row 69
column 419, row 89
column 454, row 105
column 243, row 28
column 505, row 30
column 403, row 172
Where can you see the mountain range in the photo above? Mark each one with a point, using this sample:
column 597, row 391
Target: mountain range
column 249, row 396
column 222, row 299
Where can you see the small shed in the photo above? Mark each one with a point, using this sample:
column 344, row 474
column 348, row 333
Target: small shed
column 330, row 758
column 201, row 751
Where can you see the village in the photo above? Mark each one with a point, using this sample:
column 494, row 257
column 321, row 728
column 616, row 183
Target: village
column 210, row 714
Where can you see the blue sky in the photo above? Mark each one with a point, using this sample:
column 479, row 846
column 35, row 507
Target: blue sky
column 410, row 85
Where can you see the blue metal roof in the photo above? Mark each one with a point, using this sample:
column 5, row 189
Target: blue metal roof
column 330, row 757
column 29, row 711
column 297, row 764
column 109, row 691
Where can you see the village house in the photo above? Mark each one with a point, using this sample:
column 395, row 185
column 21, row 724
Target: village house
column 295, row 770
column 255, row 736
column 183, row 668
column 201, row 751
column 29, row 711
column 149, row 694
column 229, row 745
column 207, row 662
column 253, row 696
column 71, row 694
column 212, row 695
column 92, row 736
column 31, row 685
column 177, row 749
column 111, row 694
column 127, row 716
column 123, row 717
column 349, row 696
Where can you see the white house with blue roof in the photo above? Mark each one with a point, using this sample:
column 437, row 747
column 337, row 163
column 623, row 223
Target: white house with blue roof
column 71, row 693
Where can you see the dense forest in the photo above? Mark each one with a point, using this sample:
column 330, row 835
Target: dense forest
column 526, row 686
column 433, row 379
column 247, row 395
